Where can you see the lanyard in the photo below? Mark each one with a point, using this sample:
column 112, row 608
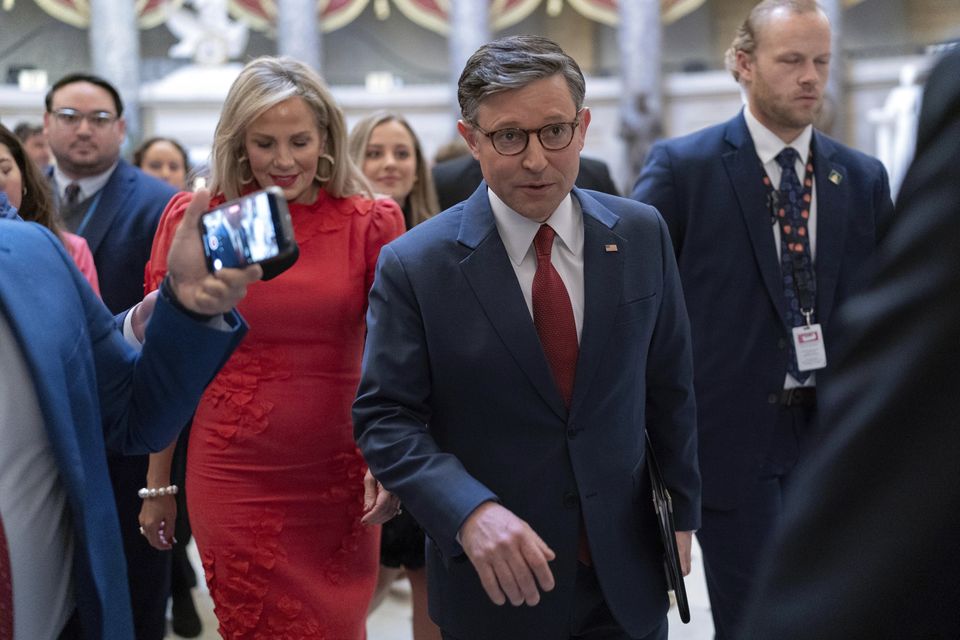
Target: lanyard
column 89, row 214
column 803, row 278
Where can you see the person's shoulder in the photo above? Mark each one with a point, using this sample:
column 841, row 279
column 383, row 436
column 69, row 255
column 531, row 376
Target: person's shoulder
column 696, row 142
column 632, row 211
column 30, row 240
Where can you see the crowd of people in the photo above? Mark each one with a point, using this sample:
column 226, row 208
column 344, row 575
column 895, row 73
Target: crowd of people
column 450, row 380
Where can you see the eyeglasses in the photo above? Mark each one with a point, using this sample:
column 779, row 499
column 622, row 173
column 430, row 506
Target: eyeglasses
column 514, row 141
column 72, row 118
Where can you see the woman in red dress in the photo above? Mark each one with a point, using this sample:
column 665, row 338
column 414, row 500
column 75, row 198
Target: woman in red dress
column 275, row 480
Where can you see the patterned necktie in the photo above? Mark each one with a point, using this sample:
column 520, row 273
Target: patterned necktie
column 72, row 194
column 553, row 316
column 6, row 588
column 796, row 266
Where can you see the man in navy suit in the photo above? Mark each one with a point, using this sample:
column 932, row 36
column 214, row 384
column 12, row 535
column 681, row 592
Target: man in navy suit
column 72, row 389
column 867, row 548
column 518, row 346
column 116, row 208
column 772, row 222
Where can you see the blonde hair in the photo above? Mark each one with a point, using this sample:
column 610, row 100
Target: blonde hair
column 749, row 31
column 262, row 84
column 422, row 201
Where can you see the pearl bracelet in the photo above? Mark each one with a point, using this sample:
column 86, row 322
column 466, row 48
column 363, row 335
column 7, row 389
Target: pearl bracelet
column 158, row 492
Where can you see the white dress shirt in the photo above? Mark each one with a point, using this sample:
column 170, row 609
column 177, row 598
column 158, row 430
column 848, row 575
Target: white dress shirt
column 517, row 233
column 768, row 146
column 88, row 186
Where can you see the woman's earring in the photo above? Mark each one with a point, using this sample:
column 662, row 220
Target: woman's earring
column 246, row 173
column 328, row 177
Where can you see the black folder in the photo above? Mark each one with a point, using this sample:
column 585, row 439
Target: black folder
column 671, row 555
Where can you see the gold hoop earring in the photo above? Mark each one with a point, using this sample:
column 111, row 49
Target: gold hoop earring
column 246, row 173
column 328, row 177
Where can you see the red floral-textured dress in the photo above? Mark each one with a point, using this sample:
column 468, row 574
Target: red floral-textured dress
column 274, row 478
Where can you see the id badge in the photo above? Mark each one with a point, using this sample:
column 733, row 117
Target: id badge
column 809, row 347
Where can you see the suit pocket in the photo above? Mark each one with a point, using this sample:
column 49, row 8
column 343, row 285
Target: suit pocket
column 637, row 309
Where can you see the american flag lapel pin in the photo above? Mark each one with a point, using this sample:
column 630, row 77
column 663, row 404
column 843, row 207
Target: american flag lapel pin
column 610, row 248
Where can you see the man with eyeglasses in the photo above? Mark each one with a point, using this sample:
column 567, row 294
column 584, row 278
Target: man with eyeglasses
column 116, row 208
column 518, row 345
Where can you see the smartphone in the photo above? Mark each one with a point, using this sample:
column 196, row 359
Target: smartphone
column 253, row 229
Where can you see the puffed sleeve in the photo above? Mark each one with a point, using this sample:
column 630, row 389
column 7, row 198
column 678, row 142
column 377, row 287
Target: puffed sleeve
column 156, row 267
column 385, row 225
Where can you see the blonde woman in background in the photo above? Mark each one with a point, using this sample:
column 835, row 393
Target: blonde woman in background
column 388, row 151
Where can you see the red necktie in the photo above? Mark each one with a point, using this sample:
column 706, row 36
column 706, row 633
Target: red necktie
column 6, row 589
column 553, row 316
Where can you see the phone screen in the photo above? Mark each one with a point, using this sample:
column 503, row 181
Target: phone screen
column 245, row 231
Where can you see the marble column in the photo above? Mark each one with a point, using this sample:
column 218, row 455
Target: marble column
column 833, row 120
column 641, row 96
column 469, row 29
column 298, row 32
column 115, row 56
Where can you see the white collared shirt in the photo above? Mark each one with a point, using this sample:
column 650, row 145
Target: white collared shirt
column 88, row 186
column 517, row 233
column 768, row 146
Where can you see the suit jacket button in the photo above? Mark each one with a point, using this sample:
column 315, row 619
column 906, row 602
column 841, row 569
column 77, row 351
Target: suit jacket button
column 773, row 398
column 570, row 500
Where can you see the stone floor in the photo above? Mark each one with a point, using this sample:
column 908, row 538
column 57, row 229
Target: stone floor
column 391, row 621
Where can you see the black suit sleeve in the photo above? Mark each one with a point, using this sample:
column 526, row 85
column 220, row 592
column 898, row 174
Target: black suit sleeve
column 868, row 547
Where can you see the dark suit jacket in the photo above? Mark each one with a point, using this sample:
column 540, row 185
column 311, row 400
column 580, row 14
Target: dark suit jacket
column 95, row 391
column 457, row 406
column 708, row 187
column 120, row 232
column 457, row 179
column 869, row 547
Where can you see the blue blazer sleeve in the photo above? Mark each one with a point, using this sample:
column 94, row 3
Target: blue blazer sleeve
column 391, row 414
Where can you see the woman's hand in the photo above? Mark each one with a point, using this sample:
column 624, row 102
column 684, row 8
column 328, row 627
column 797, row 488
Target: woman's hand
column 379, row 505
column 158, row 516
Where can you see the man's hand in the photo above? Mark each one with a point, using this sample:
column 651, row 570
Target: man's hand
column 196, row 288
column 379, row 505
column 684, row 542
column 509, row 556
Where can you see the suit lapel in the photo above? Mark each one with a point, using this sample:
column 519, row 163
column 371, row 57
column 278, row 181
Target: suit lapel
column 833, row 200
column 602, row 284
column 491, row 276
column 108, row 204
column 746, row 175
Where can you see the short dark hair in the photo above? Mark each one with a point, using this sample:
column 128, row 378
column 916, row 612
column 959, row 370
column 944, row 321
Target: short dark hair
column 512, row 63
column 74, row 78
column 25, row 130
